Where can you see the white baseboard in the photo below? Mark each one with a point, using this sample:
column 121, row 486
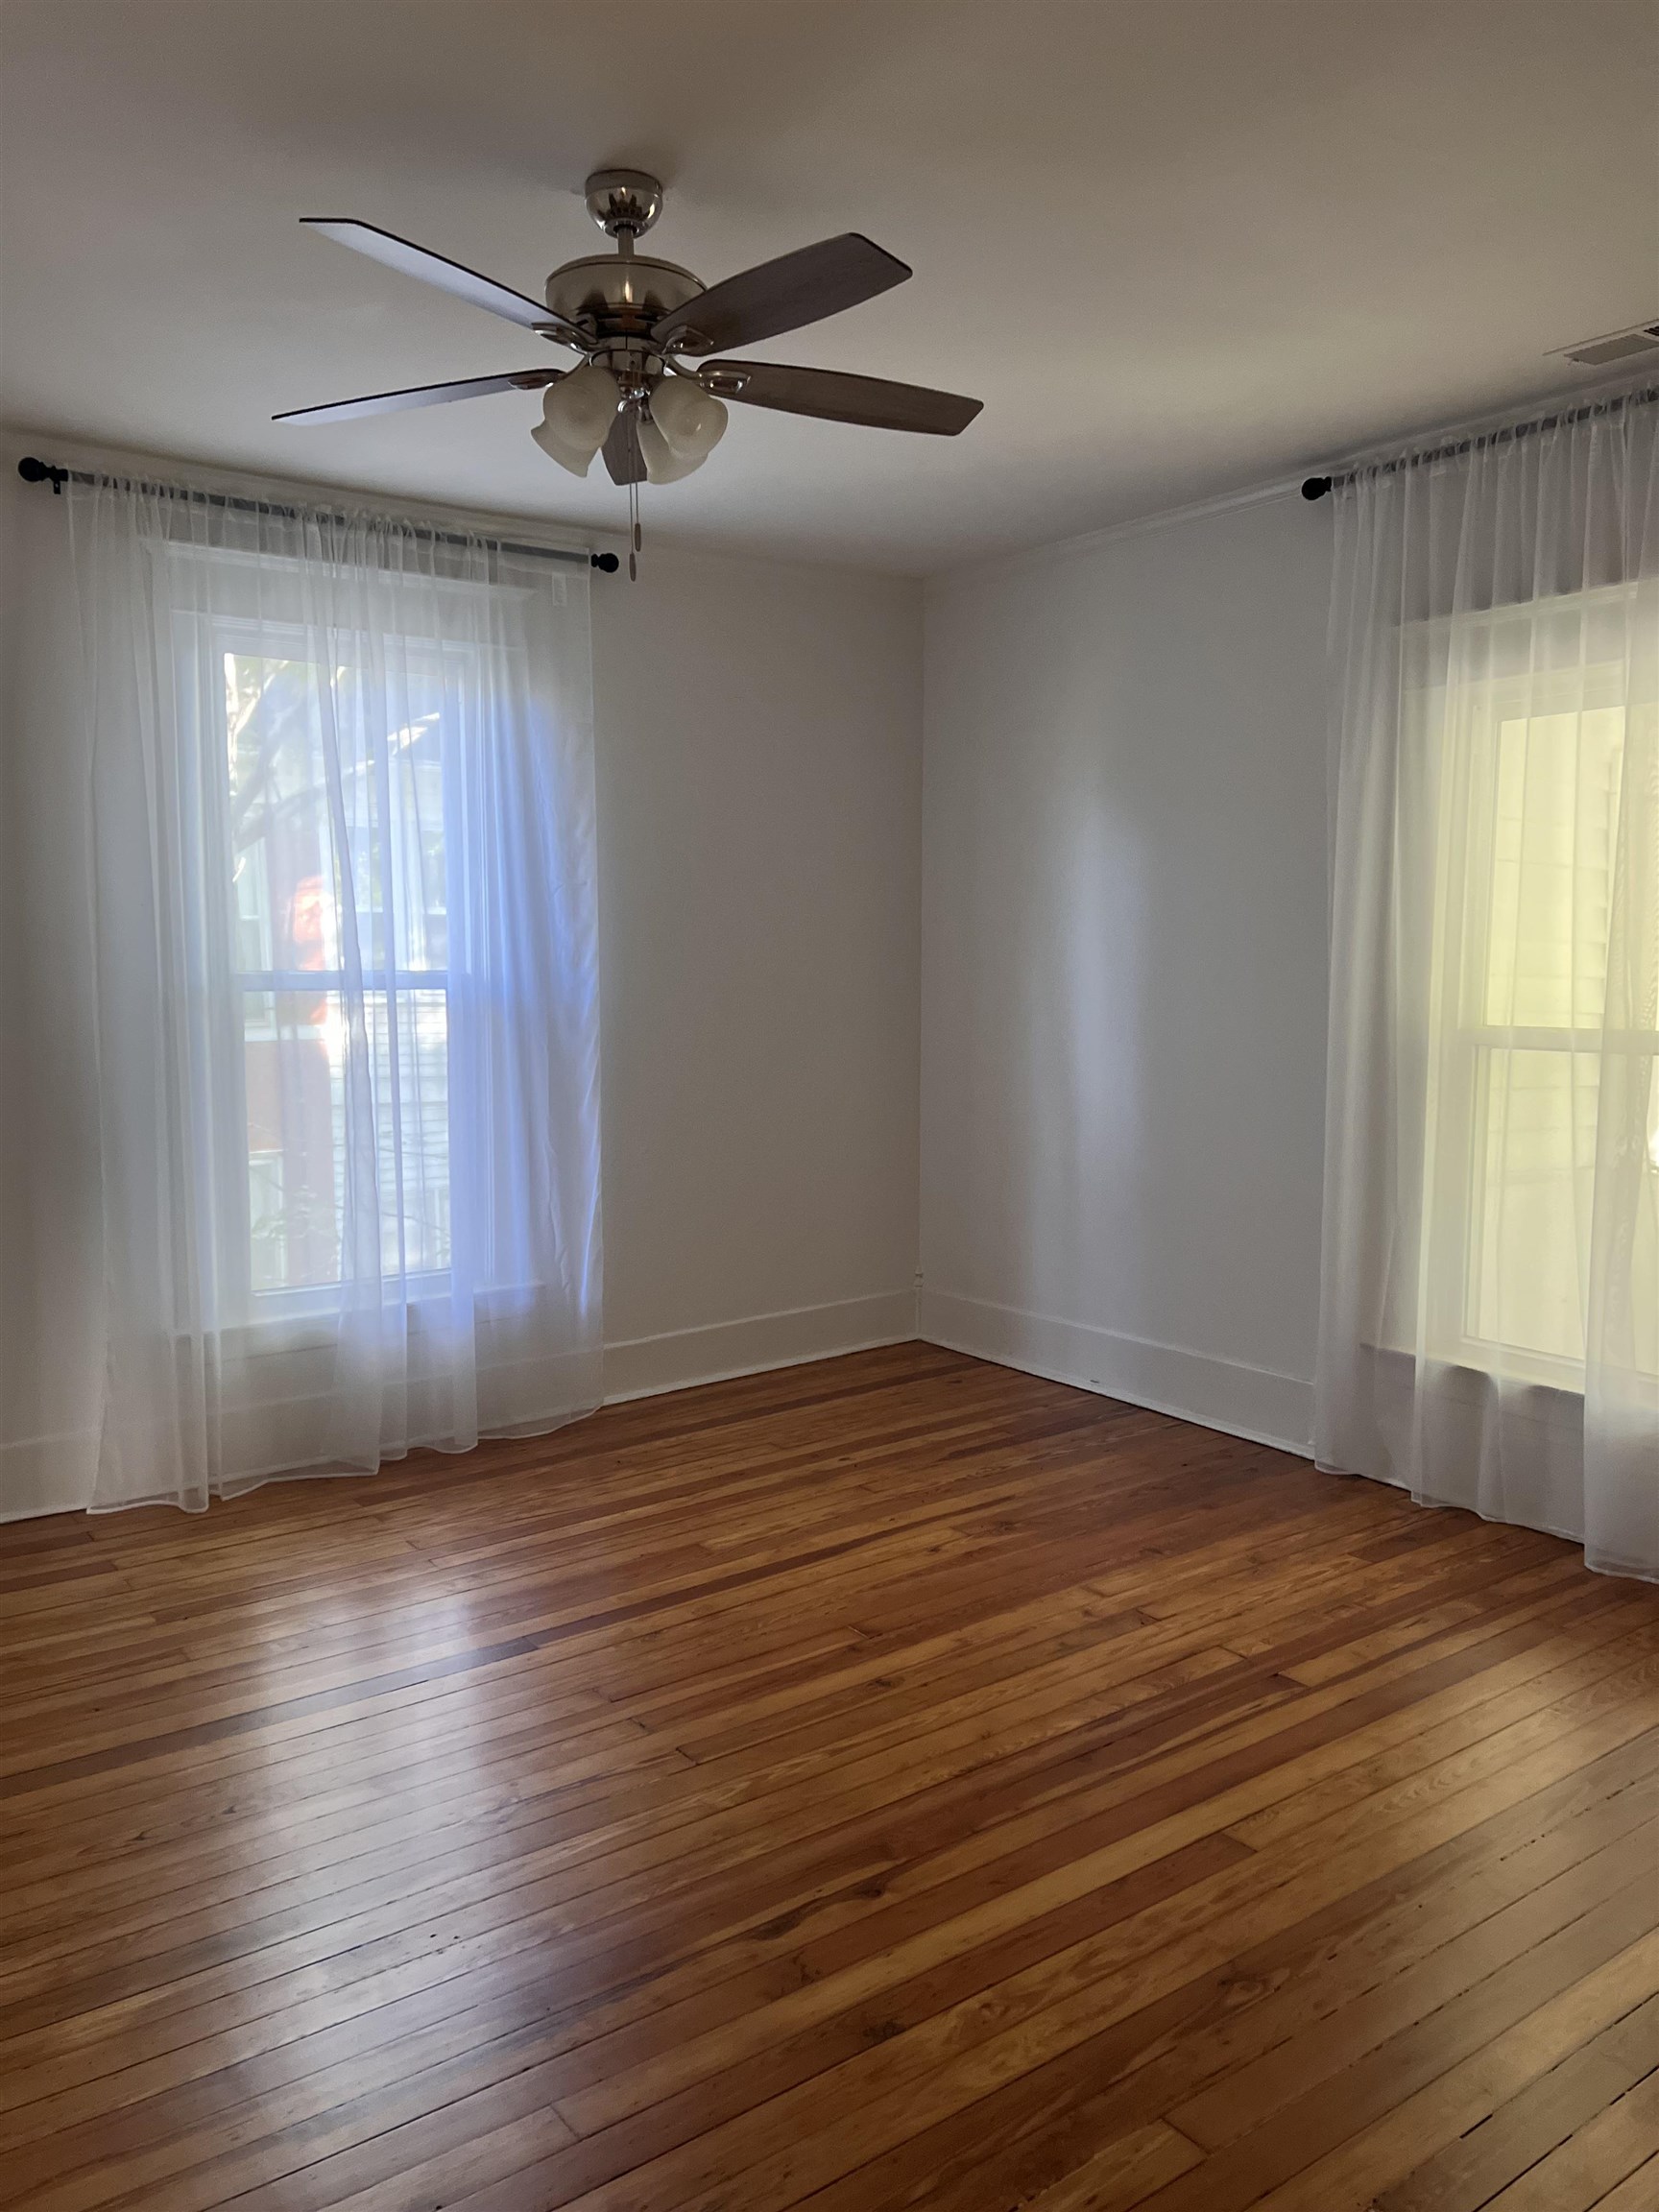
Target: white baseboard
column 1250, row 1402
column 47, row 1475
column 55, row 1474
column 641, row 1366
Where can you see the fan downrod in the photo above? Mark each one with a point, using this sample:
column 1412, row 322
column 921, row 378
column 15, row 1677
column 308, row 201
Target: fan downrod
column 624, row 202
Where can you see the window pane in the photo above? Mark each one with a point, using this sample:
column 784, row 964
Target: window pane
column 295, row 1049
column 417, row 840
column 337, row 795
column 1533, row 1170
column 1555, row 820
column 282, row 848
column 409, row 1036
column 292, row 727
column 290, row 1052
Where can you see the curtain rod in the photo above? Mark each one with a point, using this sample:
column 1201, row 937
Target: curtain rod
column 1316, row 487
column 35, row 471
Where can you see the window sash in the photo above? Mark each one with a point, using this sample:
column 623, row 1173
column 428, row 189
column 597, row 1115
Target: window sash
column 412, row 1181
column 1463, row 722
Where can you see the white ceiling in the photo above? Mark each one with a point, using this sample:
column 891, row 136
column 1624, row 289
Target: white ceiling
column 1176, row 248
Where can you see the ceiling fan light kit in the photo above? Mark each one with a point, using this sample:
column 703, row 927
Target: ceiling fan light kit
column 646, row 396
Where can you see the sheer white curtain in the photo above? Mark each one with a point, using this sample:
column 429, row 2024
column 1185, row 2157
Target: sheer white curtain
column 1490, row 1304
column 347, row 992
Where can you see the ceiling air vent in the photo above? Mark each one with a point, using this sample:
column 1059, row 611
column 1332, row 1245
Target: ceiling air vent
column 1617, row 345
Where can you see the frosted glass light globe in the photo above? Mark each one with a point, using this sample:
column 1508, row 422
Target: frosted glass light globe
column 692, row 422
column 663, row 465
column 576, row 417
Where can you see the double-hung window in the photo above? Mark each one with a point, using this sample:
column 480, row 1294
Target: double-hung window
column 338, row 849
column 1489, row 1279
column 348, row 986
column 1532, row 912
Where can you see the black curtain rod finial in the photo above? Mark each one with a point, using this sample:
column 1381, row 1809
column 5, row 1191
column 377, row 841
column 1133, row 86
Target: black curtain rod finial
column 1315, row 487
column 33, row 471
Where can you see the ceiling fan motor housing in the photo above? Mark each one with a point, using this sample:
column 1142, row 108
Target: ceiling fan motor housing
column 624, row 296
column 621, row 298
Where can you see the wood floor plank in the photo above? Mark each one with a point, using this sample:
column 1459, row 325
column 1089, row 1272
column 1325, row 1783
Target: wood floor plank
column 1020, row 2137
column 1347, row 2177
column 1123, row 2174
column 1593, row 2160
column 1531, row 2127
column 1638, row 2192
column 898, row 1782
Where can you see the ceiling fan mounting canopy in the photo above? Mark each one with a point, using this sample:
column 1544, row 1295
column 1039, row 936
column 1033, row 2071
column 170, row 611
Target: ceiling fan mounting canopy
column 624, row 202
column 639, row 325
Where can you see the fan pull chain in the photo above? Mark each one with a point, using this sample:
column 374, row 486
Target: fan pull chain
column 636, row 535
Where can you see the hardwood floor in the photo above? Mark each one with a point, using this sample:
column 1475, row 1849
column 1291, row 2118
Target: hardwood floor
column 897, row 1782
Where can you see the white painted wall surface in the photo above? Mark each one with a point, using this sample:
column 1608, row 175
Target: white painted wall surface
column 759, row 805
column 1124, row 963
column 759, row 909
column 51, row 1254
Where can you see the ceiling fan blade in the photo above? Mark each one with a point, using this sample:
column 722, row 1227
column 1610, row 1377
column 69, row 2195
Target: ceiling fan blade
column 412, row 260
column 782, row 295
column 621, row 450
column 837, row 398
column 422, row 395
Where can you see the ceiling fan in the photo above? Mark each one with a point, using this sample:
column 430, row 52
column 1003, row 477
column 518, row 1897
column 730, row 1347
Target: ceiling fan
column 646, row 396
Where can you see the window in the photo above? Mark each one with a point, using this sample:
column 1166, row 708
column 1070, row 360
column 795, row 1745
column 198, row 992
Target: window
column 1525, row 918
column 346, row 983
column 301, row 830
column 1489, row 1278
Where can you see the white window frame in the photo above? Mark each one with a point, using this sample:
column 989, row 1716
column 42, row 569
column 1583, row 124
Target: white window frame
column 1472, row 714
column 222, row 637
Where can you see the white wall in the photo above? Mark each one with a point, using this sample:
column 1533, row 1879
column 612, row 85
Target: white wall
column 51, row 1259
column 1124, row 963
column 760, row 824
column 759, row 796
